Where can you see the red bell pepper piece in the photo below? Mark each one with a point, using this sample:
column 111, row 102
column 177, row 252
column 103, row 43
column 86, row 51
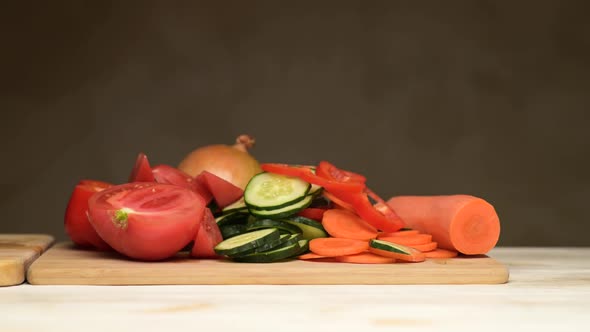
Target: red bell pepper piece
column 307, row 174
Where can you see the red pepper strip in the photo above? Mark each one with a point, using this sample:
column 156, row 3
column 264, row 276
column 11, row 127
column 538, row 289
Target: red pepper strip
column 337, row 201
column 387, row 222
column 307, row 174
column 331, row 172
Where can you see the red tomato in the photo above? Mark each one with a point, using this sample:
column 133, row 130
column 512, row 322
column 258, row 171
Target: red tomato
column 142, row 172
column 146, row 220
column 224, row 192
column 207, row 238
column 171, row 175
column 76, row 221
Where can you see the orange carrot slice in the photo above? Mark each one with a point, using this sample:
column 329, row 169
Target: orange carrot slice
column 397, row 251
column 400, row 233
column 310, row 255
column 441, row 253
column 365, row 258
column 331, row 247
column 409, row 240
column 347, row 225
column 425, row 247
column 462, row 223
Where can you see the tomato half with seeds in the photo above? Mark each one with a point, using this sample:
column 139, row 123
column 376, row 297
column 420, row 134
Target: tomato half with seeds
column 146, row 220
column 76, row 223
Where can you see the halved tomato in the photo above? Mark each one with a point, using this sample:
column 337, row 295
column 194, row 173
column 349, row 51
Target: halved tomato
column 208, row 236
column 171, row 175
column 146, row 220
column 224, row 192
column 76, row 221
column 142, row 172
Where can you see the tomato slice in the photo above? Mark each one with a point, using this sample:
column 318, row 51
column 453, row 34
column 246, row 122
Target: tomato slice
column 224, row 192
column 142, row 172
column 148, row 220
column 208, row 236
column 76, row 223
column 384, row 220
column 307, row 174
column 331, row 172
column 171, row 175
column 313, row 213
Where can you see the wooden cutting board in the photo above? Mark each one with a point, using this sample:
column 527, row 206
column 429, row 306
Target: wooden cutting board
column 17, row 252
column 66, row 265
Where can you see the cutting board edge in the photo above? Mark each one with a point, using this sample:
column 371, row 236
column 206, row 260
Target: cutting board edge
column 15, row 270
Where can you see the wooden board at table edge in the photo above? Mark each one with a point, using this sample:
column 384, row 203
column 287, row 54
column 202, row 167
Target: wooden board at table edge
column 65, row 265
column 17, row 253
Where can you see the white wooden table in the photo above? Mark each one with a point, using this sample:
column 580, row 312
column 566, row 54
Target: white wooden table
column 549, row 290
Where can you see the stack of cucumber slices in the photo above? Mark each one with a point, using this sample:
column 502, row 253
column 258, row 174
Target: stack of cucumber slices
column 263, row 226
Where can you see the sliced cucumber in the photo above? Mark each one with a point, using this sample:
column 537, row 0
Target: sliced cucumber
column 265, row 247
column 284, row 240
column 280, row 225
column 278, row 254
column 311, row 228
column 247, row 241
column 315, row 190
column 268, row 191
column 229, row 231
column 389, row 246
column 283, row 212
column 304, row 247
column 237, row 206
column 234, row 218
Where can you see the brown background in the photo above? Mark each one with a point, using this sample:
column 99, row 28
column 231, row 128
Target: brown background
column 486, row 98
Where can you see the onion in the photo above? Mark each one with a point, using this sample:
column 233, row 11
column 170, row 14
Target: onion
column 231, row 163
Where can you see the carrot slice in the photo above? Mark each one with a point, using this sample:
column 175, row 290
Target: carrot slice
column 463, row 223
column 338, row 202
column 347, row 225
column 365, row 258
column 311, row 255
column 425, row 247
column 409, row 240
column 331, row 247
column 400, row 233
column 441, row 253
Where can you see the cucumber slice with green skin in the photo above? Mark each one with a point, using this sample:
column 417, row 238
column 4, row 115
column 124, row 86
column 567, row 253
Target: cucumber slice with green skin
column 388, row 246
column 247, row 241
column 235, row 218
column 230, row 231
column 237, row 206
column 284, row 240
column 311, row 228
column 304, row 247
column 283, row 212
column 275, row 255
column 315, row 190
column 268, row 191
column 280, row 225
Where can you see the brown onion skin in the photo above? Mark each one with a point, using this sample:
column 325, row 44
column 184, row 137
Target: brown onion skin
column 231, row 163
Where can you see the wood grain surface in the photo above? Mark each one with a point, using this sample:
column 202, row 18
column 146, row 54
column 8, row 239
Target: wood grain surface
column 65, row 265
column 17, row 252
